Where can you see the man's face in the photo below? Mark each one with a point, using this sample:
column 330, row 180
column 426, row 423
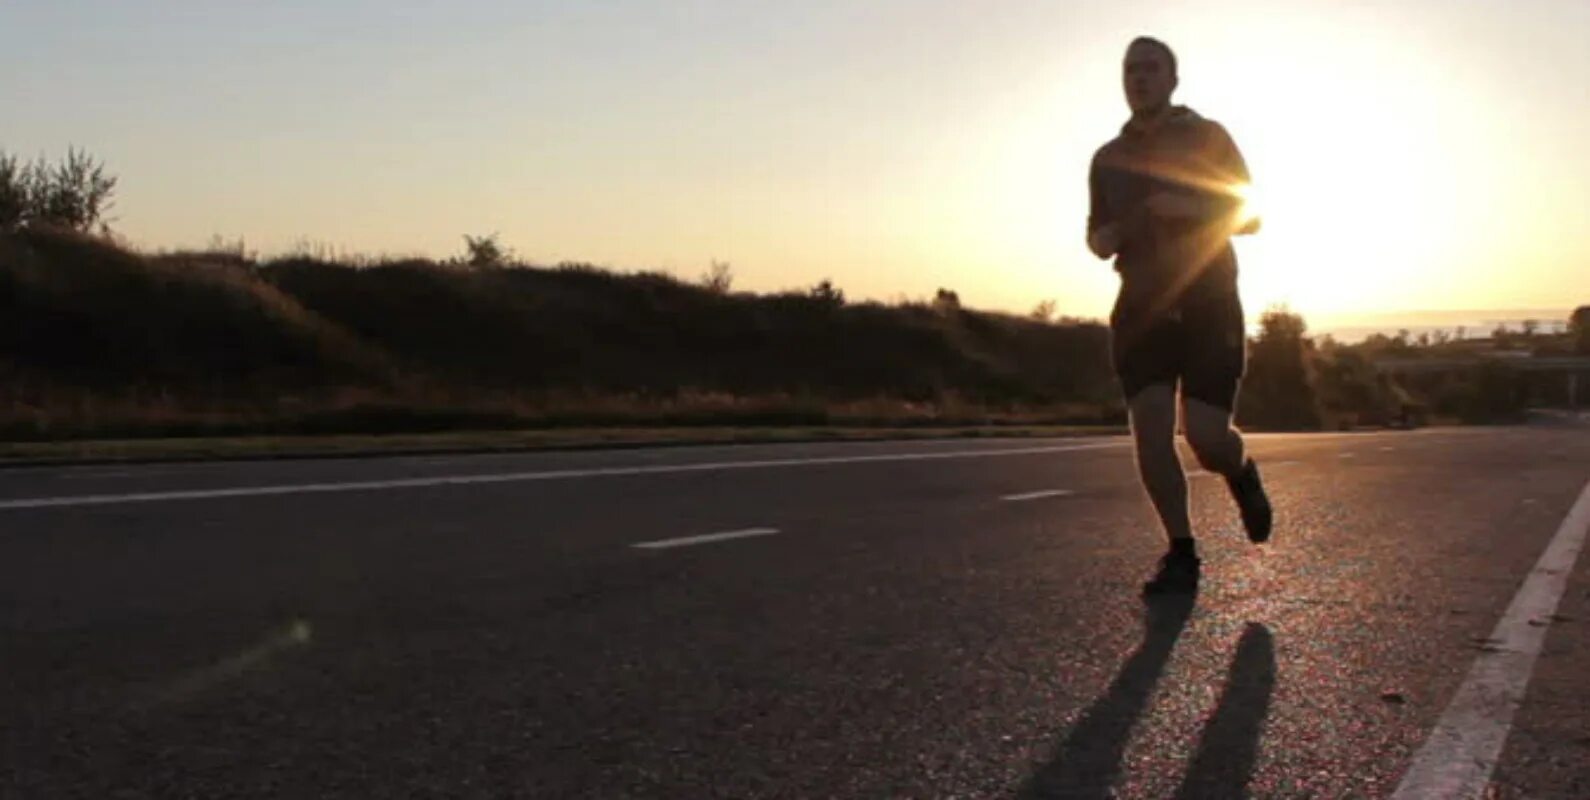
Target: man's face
column 1147, row 77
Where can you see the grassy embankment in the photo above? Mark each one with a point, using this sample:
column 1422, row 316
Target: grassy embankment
column 103, row 343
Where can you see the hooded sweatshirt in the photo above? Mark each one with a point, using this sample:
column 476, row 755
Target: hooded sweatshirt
column 1169, row 264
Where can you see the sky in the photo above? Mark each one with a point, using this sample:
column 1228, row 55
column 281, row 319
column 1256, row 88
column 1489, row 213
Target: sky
column 1425, row 154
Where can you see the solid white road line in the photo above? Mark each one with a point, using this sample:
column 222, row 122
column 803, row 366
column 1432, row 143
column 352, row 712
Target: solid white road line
column 1458, row 758
column 706, row 538
column 513, row 477
column 1016, row 498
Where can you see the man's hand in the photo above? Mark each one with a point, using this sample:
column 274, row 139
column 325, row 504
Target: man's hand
column 1173, row 205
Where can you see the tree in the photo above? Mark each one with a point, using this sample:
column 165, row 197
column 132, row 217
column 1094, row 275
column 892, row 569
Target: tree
column 484, row 251
column 1579, row 326
column 719, row 277
column 946, row 301
column 827, row 293
column 1044, row 311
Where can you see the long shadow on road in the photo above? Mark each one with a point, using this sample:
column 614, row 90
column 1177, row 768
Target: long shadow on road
column 1230, row 743
column 1088, row 763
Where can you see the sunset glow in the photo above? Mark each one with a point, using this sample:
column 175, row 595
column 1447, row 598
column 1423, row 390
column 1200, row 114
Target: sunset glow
column 1416, row 155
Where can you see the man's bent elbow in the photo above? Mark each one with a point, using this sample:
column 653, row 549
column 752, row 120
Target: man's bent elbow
column 1102, row 244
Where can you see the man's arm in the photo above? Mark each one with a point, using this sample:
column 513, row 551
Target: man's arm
column 1104, row 236
column 1110, row 228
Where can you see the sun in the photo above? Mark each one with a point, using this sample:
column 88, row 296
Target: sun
column 1363, row 194
column 1337, row 241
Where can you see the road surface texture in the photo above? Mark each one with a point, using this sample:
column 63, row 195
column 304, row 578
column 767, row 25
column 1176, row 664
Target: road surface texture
column 913, row 619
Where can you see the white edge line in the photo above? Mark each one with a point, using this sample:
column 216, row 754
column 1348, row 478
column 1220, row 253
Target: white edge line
column 512, row 477
column 1457, row 759
column 1016, row 498
column 706, row 538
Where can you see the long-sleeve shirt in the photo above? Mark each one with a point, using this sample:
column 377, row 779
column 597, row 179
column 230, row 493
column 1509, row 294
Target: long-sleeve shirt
column 1168, row 263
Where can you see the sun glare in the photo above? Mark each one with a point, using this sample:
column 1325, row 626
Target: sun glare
column 1352, row 181
column 1252, row 203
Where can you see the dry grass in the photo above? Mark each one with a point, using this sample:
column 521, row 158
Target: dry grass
column 105, row 342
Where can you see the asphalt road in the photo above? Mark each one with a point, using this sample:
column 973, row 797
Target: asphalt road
column 927, row 619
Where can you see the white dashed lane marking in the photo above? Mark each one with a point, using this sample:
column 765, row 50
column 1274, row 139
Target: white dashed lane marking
column 1016, row 498
column 706, row 538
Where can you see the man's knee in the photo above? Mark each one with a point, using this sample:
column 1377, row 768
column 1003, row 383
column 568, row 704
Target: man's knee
column 1214, row 442
column 1153, row 414
column 1153, row 407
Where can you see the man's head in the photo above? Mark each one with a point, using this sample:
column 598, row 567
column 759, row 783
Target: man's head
column 1148, row 74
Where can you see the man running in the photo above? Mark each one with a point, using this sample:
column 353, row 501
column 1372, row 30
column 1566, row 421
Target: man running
column 1165, row 201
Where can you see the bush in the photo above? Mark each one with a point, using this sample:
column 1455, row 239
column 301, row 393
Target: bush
column 72, row 194
column 485, row 251
column 1349, row 388
column 1494, row 396
column 1278, row 391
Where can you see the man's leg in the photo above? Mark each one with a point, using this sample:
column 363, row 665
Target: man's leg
column 1154, row 432
column 1210, row 384
column 1153, row 412
column 1149, row 364
column 1217, row 444
column 1219, row 448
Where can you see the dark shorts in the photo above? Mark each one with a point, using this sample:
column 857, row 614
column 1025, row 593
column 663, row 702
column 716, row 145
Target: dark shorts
column 1203, row 347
